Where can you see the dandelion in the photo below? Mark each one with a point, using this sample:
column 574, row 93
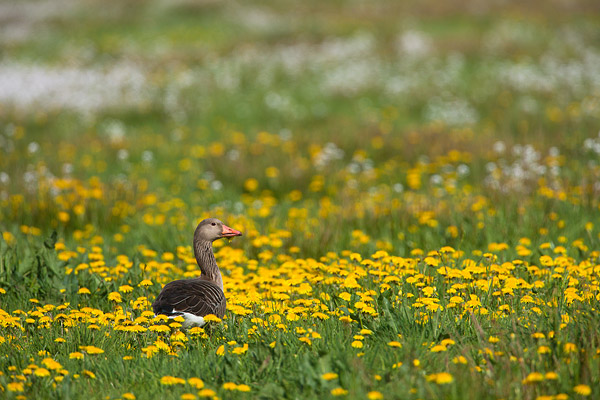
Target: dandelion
column 570, row 348
column 41, row 372
column 207, row 393
column 125, row 288
column 89, row 374
column 357, row 344
column 211, row 318
column 543, row 350
column 251, row 184
column 115, row 296
column 329, row 376
column 339, row 391
column 551, row 376
column 374, row 395
column 305, row 340
column 51, row 364
column 92, row 349
column 76, row 355
column 15, row 387
column 583, row 390
column 240, row 350
column 197, row 383
column 243, row 388
column 84, row 290
column 533, row 377
column 345, row 296
column 441, row 378
column 393, row 343
column 171, row 380
column 229, row 386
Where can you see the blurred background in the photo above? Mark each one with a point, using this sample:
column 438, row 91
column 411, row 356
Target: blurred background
column 414, row 122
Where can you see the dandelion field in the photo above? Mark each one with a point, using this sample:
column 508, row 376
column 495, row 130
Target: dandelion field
column 418, row 185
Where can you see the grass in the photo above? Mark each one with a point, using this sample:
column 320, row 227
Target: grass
column 416, row 184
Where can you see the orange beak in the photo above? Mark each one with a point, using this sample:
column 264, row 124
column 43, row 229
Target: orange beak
column 230, row 232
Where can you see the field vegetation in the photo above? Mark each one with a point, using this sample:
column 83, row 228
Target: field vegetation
column 418, row 184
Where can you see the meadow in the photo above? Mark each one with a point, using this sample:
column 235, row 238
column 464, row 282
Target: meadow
column 417, row 182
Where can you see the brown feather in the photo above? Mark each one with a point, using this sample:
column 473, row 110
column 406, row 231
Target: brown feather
column 195, row 296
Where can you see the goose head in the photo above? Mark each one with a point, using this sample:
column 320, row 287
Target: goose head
column 212, row 229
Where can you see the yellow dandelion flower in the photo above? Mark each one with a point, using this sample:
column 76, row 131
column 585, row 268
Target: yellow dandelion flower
column 89, row 374
column 196, row 383
column 83, row 290
column 115, row 296
column 171, row 380
column 441, row 378
column 357, row 344
column 187, row 396
column 51, row 364
column 533, row 377
column 220, row 350
column 15, row 387
column 329, row 376
column 551, row 375
column 207, row 393
column 211, row 318
column 438, row 348
column 251, row 184
column 41, row 372
column 125, row 288
column 374, row 395
column 146, row 282
column 544, row 350
column 240, row 350
column 128, row 396
column 570, row 347
column 583, row 390
column 305, row 340
column 394, row 344
column 243, row 388
column 93, row 350
column 229, row 386
column 444, row 378
column 339, row 391
column 345, row 296
column 76, row 355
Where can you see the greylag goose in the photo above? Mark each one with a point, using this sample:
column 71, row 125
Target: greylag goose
column 193, row 299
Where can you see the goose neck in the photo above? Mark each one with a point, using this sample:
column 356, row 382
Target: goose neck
column 206, row 261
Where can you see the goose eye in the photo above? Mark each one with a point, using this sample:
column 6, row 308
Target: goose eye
column 213, row 224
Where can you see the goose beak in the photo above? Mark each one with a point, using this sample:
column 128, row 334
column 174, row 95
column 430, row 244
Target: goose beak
column 230, row 232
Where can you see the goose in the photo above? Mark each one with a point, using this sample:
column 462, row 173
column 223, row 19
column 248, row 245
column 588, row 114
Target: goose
column 193, row 299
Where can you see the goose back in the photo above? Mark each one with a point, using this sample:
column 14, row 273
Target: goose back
column 199, row 297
